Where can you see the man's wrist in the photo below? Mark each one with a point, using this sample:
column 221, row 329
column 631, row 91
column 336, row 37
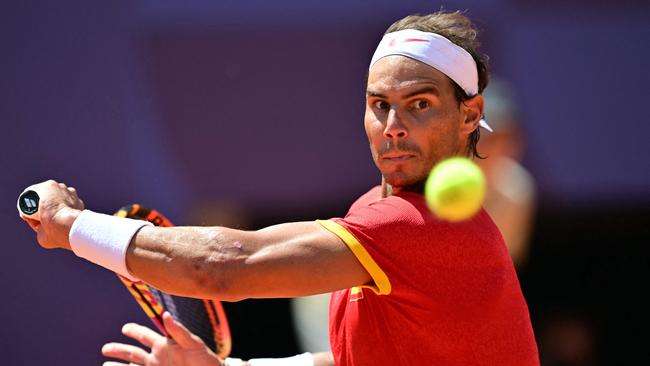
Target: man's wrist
column 104, row 239
column 230, row 361
column 305, row 359
column 64, row 219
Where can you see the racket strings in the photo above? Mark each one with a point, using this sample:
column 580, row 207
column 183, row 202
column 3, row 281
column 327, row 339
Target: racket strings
column 205, row 318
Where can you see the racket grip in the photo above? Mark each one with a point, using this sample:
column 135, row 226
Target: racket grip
column 28, row 205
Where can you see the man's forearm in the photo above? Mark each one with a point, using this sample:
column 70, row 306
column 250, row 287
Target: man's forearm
column 286, row 260
column 188, row 261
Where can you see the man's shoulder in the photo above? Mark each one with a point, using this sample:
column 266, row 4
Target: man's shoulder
column 373, row 195
column 408, row 213
column 373, row 211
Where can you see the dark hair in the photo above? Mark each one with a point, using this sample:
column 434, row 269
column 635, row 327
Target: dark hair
column 459, row 29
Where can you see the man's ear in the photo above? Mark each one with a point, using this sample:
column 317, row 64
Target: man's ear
column 472, row 111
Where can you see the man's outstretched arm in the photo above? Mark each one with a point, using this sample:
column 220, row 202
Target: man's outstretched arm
column 287, row 260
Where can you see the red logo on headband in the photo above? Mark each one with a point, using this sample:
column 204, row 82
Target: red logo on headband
column 397, row 41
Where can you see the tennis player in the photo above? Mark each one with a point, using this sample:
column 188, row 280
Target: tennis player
column 408, row 289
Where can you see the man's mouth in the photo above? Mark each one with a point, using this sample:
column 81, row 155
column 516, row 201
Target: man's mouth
column 398, row 156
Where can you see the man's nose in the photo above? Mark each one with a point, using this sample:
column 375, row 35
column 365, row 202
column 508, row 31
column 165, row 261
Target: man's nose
column 395, row 127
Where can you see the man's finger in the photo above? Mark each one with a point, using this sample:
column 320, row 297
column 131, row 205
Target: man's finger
column 180, row 334
column 125, row 352
column 141, row 334
column 73, row 192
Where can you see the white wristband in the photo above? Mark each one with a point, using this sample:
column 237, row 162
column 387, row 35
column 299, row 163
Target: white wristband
column 104, row 239
column 229, row 361
column 305, row 359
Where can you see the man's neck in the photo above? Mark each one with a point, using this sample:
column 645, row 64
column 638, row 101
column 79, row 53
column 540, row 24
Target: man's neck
column 388, row 190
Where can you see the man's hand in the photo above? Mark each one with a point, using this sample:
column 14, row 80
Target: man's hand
column 59, row 206
column 185, row 349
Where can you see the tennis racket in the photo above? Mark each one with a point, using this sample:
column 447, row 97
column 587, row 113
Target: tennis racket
column 205, row 318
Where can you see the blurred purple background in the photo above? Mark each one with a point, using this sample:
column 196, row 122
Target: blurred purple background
column 259, row 104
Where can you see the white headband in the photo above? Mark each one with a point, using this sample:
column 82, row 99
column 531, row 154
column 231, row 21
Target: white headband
column 435, row 51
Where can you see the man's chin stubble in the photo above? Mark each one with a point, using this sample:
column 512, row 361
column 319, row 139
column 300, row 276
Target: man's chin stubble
column 416, row 186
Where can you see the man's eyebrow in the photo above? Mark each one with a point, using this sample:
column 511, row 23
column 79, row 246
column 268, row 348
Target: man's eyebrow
column 370, row 93
column 426, row 90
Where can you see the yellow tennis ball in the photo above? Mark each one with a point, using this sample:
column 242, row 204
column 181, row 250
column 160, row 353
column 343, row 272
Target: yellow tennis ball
column 455, row 189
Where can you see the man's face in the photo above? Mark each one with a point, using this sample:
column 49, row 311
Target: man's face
column 413, row 120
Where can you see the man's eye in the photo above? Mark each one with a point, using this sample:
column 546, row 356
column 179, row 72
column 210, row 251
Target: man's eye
column 381, row 105
column 420, row 104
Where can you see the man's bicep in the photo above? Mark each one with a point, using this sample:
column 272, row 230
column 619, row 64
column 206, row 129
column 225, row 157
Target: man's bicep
column 299, row 259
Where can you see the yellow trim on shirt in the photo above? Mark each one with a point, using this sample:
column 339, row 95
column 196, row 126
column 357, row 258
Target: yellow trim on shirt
column 382, row 284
